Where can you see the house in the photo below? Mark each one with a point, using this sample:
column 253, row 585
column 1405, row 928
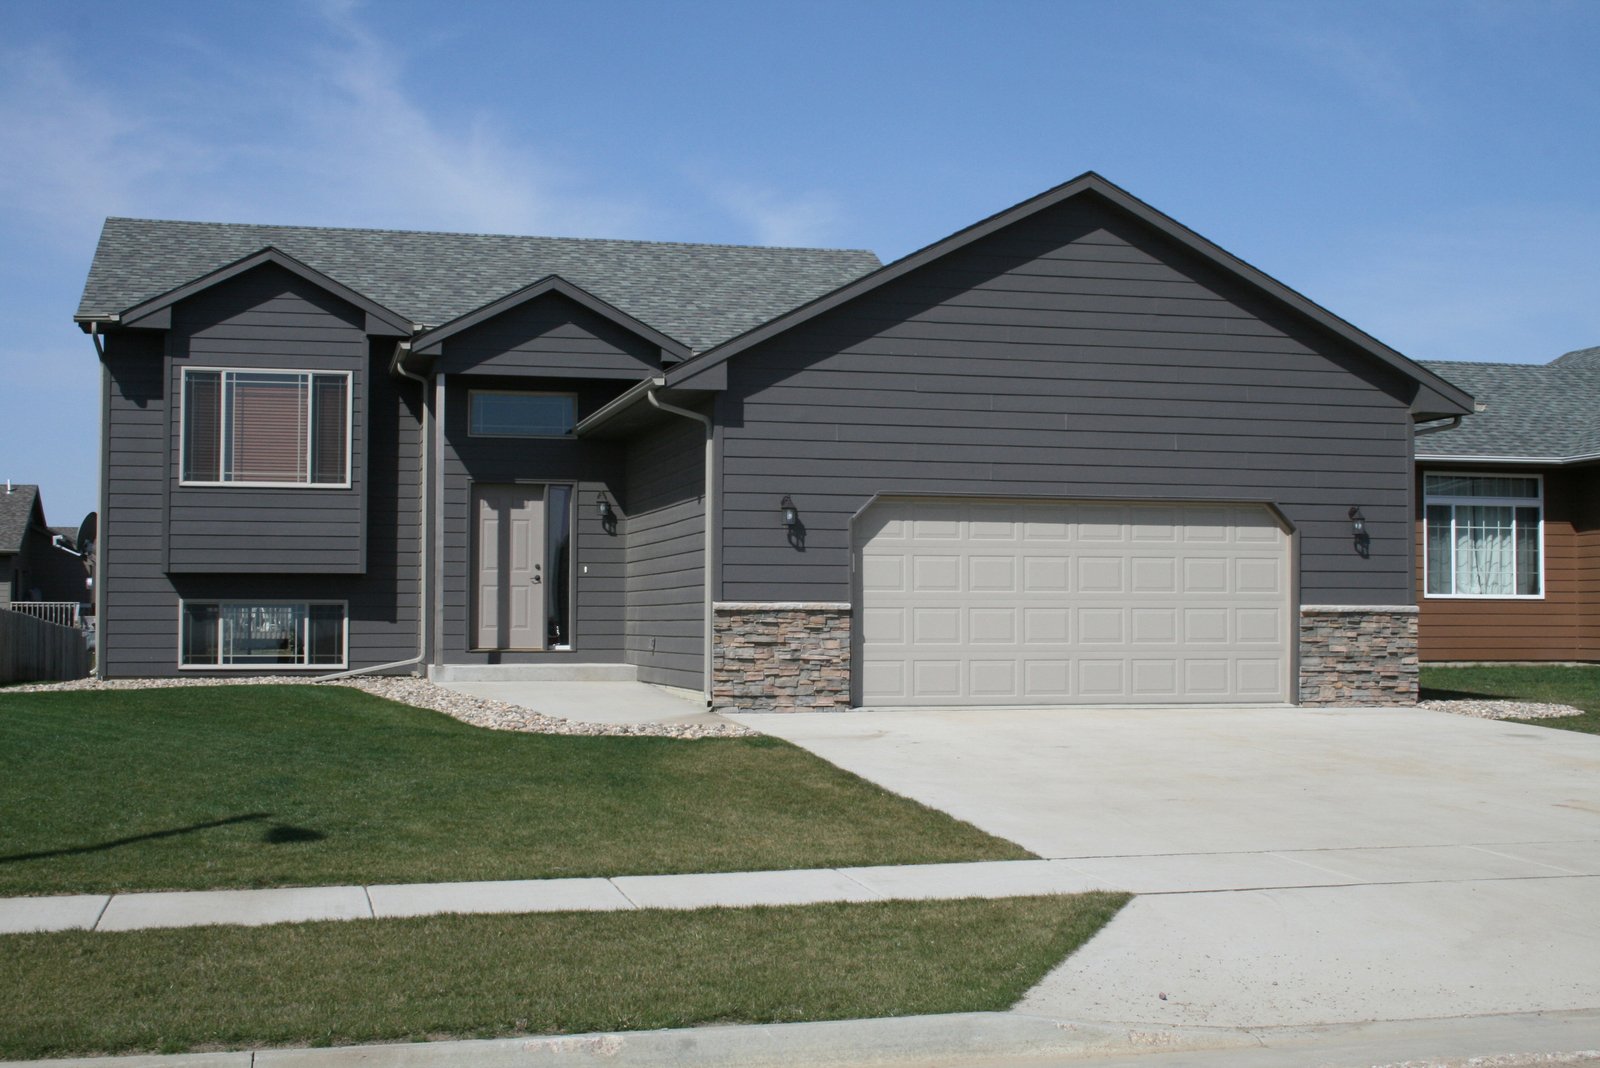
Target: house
column 1508, row 525
column 32, row 568
column 1073, row 453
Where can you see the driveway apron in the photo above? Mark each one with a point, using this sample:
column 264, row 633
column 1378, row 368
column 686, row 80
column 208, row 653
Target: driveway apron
column 1295, row 866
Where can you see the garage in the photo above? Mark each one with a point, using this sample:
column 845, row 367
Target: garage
column 986, row 602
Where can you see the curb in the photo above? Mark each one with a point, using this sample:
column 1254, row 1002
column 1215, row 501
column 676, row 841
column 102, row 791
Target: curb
column 952, row 1039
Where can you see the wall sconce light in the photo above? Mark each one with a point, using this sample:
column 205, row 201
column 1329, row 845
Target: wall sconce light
column 606, row 514
column 1358, row 522
column 791, row 514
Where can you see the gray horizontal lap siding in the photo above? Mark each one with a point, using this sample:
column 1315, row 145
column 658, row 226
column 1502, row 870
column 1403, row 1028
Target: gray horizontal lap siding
column 665, row 508
column 1074, row 355
column 550, row 335
column 139, row 598
column 598, row 594
column 267, row 319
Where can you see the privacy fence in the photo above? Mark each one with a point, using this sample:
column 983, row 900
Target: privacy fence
column 35, row 650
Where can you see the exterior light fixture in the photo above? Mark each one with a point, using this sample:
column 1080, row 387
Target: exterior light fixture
column 1358, row 522
column 606, row 514
column 791, row 514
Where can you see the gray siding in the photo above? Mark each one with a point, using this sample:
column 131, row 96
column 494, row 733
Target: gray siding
column 550, row 335
column 267, row 319
column 598, row 592
column 139, row 599
column 1076, row 354
column 665, row 563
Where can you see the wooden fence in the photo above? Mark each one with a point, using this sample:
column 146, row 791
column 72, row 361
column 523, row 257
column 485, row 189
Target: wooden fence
column 32, row 650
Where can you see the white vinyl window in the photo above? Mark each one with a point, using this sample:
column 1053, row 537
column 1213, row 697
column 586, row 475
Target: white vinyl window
column 1484, row 535
column 510, row 414
column 262, row 634
column 266, row 428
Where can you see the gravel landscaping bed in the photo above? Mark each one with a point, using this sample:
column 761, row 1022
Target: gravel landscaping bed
column 1487, row 709
column 420, row 693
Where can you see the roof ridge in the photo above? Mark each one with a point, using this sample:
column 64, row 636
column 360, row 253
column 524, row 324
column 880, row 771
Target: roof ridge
column 479, row 234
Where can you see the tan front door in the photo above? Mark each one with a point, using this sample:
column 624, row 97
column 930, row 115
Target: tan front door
column 508, row 555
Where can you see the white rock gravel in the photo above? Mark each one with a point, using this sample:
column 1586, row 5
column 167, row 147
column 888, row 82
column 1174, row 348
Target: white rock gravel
column 420, row 693
column 1486, row 709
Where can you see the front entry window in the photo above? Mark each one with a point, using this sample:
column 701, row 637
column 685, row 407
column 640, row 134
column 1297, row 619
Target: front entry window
column 558, row 545
column 1484, row 535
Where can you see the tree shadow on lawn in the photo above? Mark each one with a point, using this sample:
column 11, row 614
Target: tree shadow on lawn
column 275, row 834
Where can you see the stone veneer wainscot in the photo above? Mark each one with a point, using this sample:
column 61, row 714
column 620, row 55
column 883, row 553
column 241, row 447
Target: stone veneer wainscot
column 1358, row 655
column 780, row 656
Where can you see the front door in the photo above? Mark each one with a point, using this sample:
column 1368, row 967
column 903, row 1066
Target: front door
column 508, row 554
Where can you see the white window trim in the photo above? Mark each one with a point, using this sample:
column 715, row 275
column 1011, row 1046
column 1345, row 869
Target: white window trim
column 1511, row 502
column 349, row 427
column 344, row 661
column 471, row 393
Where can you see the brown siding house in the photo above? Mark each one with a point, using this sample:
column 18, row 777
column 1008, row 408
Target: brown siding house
column 1508, row 521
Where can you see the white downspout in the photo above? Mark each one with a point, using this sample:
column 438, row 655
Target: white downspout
column 422, row 510
column 711, row 511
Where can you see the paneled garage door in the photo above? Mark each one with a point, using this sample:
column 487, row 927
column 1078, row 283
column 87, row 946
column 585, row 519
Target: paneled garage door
column 1011, row 603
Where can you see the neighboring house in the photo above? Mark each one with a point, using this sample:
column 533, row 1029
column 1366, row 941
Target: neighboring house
column 1508, row 530
column 31, row 568
column 1074, row 453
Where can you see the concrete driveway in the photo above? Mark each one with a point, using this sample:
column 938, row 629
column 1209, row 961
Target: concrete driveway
column 1295, row 866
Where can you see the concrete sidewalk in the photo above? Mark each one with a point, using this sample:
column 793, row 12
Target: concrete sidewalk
column 1193, row 873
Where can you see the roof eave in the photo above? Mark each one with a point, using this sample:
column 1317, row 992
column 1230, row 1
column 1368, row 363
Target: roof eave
column 428, row 342
column 1453, row 401
column 155, row 312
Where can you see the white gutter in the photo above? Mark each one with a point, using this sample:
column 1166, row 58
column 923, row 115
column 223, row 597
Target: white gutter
column 398, row 364
column 711, row 511
column 1525, row 460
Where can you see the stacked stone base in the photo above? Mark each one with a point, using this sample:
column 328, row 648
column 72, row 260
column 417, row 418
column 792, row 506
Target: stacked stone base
column 1355, row 655
column 791, row 656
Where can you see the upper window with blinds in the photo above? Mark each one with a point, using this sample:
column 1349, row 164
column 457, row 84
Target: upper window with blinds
column 266, row 428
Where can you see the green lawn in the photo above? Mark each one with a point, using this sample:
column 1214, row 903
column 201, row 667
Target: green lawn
column 482, row 976
column 245, row 786
column 1575, row 686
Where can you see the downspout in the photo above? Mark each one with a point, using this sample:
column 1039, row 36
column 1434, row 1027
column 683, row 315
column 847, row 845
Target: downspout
column 398, row 364
column 711, row 511
column 97, row 593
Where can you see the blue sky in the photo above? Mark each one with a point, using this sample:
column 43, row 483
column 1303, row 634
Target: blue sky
column 1429, row 171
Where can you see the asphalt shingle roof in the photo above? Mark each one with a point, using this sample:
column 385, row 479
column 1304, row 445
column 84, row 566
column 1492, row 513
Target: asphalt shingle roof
column 1546, row 411
column 16, row 510
column 699, row 294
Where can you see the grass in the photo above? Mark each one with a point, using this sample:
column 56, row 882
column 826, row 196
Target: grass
column 485, row 976
column 1575, row 686
column 209, row 787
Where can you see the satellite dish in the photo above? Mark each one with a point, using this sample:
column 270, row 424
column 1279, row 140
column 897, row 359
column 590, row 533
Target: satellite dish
column 88, row 530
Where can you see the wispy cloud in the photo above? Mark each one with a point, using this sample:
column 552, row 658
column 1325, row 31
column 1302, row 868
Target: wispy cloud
column 1500, row 283
column 71, row 152
column 333, row 134
column 775, row 216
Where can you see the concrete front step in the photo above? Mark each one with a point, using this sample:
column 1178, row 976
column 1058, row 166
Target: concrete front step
column 447, row 673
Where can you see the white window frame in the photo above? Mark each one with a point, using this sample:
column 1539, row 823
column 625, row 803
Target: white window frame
column 220, row 602
column 1505, row 502
column 349, row 426
column 471, row 393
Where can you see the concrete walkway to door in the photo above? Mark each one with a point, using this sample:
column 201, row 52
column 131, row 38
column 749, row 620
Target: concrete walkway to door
column 1301, row 866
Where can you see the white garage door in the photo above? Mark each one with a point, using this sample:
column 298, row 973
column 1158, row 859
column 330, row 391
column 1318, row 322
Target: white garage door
column 1012, row 603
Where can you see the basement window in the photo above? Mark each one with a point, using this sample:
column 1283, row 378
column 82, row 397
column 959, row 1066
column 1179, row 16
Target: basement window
column 259, row 635
column 1484, row 535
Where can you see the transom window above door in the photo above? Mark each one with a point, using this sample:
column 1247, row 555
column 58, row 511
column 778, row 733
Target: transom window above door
column 509, row 414
column 1484, row 535
column 266, row 428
